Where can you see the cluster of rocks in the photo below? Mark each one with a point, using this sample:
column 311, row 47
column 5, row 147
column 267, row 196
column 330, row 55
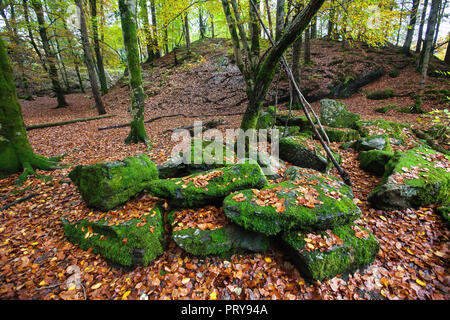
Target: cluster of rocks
column 222, row 206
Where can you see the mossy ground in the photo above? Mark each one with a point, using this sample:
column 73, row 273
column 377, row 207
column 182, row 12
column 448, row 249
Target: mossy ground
column 126, row 243
column 354, row 253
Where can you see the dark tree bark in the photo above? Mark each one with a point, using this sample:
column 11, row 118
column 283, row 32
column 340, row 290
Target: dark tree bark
column 447, row 54
column 89, row 60
column 201, row 23
column 411, row 26
column 269, row 17
column 296, row 65
column 154, row 29
column 98, row 53
column 212, row 27
column 308, row 46
column 49, row 55
column 187, row 35
column 314, row 27
column 30, row 34
column 428, row 43
column 438, row 23
column 280, row 19
column 422, row 23
column 16, row 153
column 128, row 20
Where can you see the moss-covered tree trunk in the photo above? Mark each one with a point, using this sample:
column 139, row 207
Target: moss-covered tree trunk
column 154, row 28
column 16, row 153
column 90, row 60
column 128, row 18
column 49, row 55
column 98, row 53
column 147, row 31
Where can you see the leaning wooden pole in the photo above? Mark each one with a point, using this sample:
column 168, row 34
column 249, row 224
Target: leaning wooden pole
column 344, row 175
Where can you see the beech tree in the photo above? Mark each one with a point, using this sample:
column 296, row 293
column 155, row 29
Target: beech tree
column 258, row 72
column 411, row 26
column 88, row 57
column 128, row 19
column 16, row 154
column 98, row 54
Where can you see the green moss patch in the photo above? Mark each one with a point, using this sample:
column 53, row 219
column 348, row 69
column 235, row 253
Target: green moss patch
column 380, row 95
column 309, row 201
column 374, row 161
column 106, row 185
column 131, row 243
column 305, row 153
column 334, row 114
column 208, row 187
column 352, row 247
column 341, row 134
column 418, row 177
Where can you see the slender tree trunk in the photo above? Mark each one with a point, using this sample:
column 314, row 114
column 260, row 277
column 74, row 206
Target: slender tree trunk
column 201, row 24
column 331, row 18
column 308, row 46
column 401, row 21
column 62, row 68
column 90, row 60
column 80, row 80
column 438, row 24
column 411, row 27
column 30, row 34
column 212, row 27
column 155, row 29
column 296, row 65
column 255, row 33
column 269, row 17
column 16, row 153
column 447, row 53
column 98, row 53
column 187, row 33
column 314, row 27
column 147, row 31
column 422, row 23
column 50, row 56
column 428, row 43
column 127, row 14
column 280, row 19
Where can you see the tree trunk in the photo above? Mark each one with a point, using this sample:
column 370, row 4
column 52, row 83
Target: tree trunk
column 187, row 33
column 147, row 31
column 314, row 27
column 401, row 21
column 89, row 60
column 447, row 53
column 411, row 27
column 428, row 42
column 49, row 55
column 438, row 24
column 268, row 66
column 16, row 153
column 269, row 17
column 296, row 65
column 280, row 19
column 201, row 24
column 331, row 18
column 212, row 27
column 98, row 54
column 422, row 23
column 128, row 19
column 154, row 29
column 308, row 46
column 30, row 34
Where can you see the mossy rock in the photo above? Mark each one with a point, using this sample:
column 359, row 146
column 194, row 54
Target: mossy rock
column 341, row 134
column 444, row 211
column 413, row 178
column 106, row 185
column 203, row 155
column 376, row 142
column 222, row 241
column 380, row 95
column 183, row 192
column 304, row 152
column 378, row 127
column 131, row 243
column 374, row 161
column 348, row 256
column 265, row 120
column 325, row 202
column 284, row 118
column 334, row 114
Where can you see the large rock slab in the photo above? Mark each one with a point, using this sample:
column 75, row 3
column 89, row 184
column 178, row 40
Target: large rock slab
column 334, row 114
column 306, row 153
column 208, row 187
column 325, row 254
column 418, row 177
column 134, row 242
column 309, row 201
column 207, row 231
column 106, row 185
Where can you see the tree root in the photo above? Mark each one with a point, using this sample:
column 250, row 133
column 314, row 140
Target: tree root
column 38, row 162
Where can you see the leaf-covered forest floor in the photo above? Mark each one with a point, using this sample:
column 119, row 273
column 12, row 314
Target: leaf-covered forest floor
column 35, row 255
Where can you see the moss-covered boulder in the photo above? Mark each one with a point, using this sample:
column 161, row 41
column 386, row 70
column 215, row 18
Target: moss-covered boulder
column 284, row 118
column 444, row 211
column 310, row 201
column 376, row 142
column 380, row 94
column 334, row 114
column 106, row 185
column 202, row 155
column 325, row 254
column 207, row 231
column 209, row 187
column 418, row 177
column 266, row 120
column 394, row 130
column 304, row 152
column 130, row 243
column 374, row 161
column 341, row 134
